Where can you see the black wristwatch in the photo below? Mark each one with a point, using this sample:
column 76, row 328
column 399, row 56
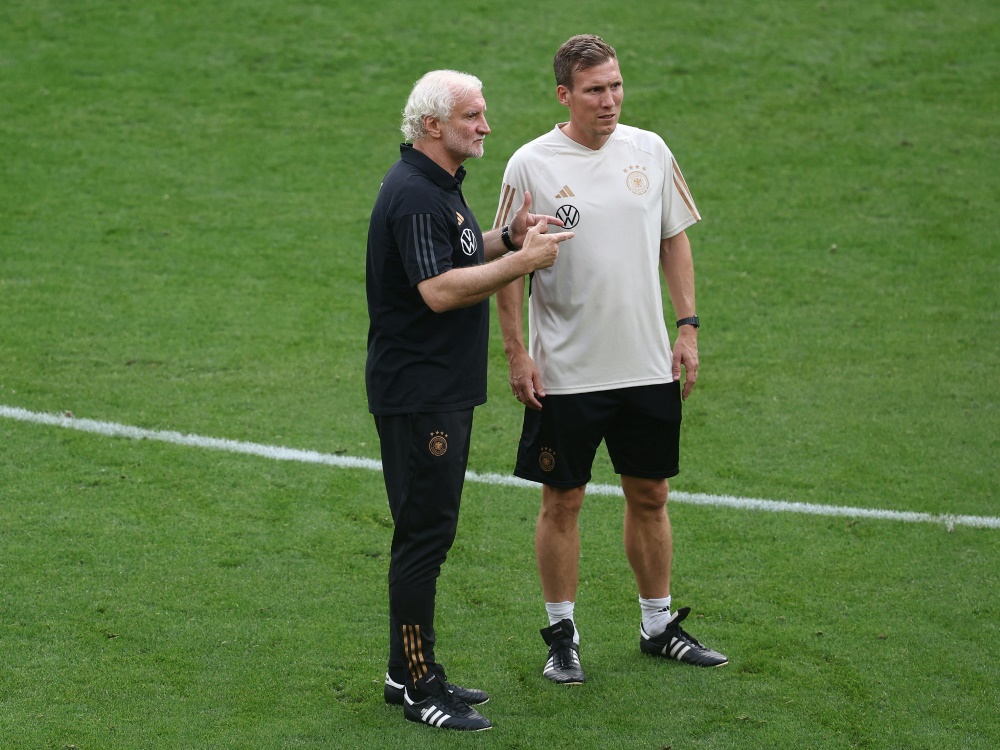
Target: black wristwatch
column 507, row 241
column 692, row 321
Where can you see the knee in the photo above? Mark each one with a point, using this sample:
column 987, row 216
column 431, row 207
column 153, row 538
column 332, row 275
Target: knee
column 561, row 507
column 649, row 498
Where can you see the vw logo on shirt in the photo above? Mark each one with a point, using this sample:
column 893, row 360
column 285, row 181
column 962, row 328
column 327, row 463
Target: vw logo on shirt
column 569, row 215
column 468, row 241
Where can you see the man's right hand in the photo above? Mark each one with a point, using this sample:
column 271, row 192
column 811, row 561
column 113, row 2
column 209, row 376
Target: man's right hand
column 541, row 247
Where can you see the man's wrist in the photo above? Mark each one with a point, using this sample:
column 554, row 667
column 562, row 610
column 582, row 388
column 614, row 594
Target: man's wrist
column 513, row 348
column 507, row 241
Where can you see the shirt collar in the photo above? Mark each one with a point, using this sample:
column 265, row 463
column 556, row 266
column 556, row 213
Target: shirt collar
column 432, row 169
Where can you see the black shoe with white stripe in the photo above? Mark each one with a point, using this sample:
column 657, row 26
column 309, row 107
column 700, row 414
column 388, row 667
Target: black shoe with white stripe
column 393, row 693
column 674, row 643
column 563, row 665
column 440, row 709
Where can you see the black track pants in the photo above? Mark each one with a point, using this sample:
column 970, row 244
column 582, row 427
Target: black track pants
column 424, row 458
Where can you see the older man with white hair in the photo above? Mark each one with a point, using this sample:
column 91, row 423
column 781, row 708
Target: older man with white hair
column 430, row 273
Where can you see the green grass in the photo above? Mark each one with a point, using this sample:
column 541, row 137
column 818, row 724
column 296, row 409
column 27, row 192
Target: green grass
column 184, row 193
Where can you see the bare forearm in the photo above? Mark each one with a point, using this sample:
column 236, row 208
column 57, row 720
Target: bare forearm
column 678, row 268
column 510, row 303
column 677, row 263
column 463, row 287
column 493, row 244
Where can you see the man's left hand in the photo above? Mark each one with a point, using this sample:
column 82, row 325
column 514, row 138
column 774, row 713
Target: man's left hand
column 686, row 355
column 523, row 221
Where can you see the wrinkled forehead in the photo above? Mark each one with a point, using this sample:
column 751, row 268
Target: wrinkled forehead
column 472, row 102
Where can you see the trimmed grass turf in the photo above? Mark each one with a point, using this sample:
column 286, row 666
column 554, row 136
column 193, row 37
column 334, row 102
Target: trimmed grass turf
column 182, row 214
column 139, row 608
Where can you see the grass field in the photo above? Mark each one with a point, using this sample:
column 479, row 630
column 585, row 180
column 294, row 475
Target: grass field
column 184, row 196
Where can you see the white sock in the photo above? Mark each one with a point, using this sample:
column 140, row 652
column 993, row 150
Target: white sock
column 559, row 611
column 655, row 614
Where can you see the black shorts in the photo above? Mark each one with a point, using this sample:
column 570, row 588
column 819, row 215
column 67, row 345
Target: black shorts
column 640, row 426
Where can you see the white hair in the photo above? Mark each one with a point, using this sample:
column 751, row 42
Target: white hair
column 436, row 95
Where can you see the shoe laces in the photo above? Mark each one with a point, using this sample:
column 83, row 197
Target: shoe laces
column 683, row 635
column 563, row 654
column 452, row 704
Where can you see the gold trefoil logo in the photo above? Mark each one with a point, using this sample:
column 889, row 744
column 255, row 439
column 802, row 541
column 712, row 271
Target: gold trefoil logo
column 438, row 445
column 635, row 178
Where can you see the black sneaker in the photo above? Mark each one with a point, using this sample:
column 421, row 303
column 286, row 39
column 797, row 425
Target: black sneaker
column 393, row 693
column 441, row 709
column 563, row 665
column 674, row 643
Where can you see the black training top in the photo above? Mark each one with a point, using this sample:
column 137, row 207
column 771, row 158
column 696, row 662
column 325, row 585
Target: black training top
column 419, row 360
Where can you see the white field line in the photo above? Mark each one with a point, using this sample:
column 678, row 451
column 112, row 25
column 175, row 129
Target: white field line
column 280, row 453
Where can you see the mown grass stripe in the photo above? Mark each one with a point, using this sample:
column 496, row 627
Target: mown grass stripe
column 281, row 453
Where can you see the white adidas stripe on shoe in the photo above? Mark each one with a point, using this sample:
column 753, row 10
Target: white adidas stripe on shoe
column 675, row 643
column 444, row 711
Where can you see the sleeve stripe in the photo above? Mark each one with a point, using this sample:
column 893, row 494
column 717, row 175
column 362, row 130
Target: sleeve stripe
column 424, row 244
column 685, row 192
column 506, row 201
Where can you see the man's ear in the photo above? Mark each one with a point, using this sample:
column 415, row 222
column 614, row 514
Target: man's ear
column 432, row 125
column 562, row 94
